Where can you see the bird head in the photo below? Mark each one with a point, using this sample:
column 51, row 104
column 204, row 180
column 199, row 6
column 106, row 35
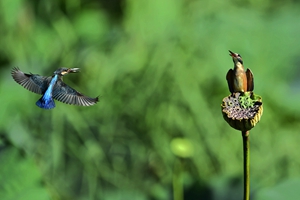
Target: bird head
column 64, row 71
column 236, row 57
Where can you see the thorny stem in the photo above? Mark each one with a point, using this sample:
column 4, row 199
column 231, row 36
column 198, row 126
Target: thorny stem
column 246, row 150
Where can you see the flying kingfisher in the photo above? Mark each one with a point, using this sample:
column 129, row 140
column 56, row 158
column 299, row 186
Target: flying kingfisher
column 52, row 87
column 238, row 80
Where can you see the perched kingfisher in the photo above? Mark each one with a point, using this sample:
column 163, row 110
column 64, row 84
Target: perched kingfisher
column 52, row 87
column 238, row 80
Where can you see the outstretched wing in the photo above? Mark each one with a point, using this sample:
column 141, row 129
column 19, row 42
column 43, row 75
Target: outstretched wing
column 250, row 80
column 229, row 78
column 64, row 93
column 32, row 82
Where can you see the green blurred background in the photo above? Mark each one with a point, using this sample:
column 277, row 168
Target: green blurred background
column 159, row 68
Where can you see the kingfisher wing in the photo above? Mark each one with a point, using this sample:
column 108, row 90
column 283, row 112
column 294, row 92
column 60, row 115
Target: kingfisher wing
column 230, row 79
column 250, row 80
column 64, row 93
column 32, row 82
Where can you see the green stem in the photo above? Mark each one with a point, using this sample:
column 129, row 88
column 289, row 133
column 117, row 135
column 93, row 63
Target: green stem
column 177, row 180
column 246, row 150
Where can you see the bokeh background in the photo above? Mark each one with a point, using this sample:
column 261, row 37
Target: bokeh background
column 159, row 69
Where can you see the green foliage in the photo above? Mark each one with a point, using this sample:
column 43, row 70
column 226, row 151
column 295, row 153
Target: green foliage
column 20, row 178
column 159, row 69
column 285, row 190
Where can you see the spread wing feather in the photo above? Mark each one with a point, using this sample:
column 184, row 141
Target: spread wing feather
column 32, row 82
column 64, row 93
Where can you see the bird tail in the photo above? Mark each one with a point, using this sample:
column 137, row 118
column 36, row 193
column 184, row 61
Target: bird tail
column 46, row 103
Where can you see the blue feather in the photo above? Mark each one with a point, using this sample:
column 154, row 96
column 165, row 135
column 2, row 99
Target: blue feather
column 46, row 101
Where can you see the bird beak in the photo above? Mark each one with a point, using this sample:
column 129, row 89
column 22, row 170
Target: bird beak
column 232, row 54
column 73, row 70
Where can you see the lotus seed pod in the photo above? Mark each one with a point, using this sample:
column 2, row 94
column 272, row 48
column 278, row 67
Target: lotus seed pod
column 242, row 111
